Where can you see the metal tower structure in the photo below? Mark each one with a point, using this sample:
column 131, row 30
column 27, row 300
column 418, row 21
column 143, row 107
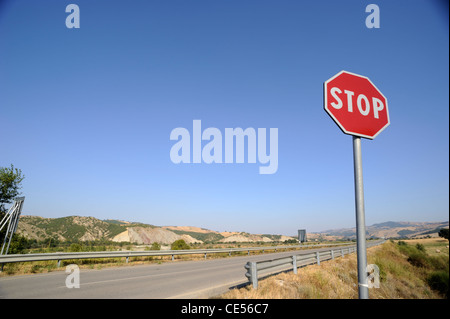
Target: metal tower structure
column 11, row 219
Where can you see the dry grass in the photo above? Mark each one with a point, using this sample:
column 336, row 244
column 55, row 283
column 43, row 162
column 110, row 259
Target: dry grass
column 337, row 279
column 24, row 268
column 433, row 246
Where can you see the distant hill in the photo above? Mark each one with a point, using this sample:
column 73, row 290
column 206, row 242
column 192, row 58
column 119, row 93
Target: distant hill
column 391, row 229
column 78, row 228
column 202, row 234
column 68, row 228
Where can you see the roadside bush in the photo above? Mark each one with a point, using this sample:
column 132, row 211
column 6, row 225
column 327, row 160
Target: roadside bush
column 418, row 259
column 409, row 249
column 439, row 262
column 416, row 256
column 36, row 269
column 438, row 280
column 435, row 267
column 179, row 244
column 75, row 248
column 420, row 247
column 155, row 246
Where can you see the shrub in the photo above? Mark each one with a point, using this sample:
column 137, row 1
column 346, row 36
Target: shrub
column 35, row 269
column 420, row 247
column 409, row 250
column 75, row 248
column 155, row 246
column 438, row 280
column 179, row 244
column 418, row 259
column 439, row 262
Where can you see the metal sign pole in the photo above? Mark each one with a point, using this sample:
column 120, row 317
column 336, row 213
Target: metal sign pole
column 363, row 288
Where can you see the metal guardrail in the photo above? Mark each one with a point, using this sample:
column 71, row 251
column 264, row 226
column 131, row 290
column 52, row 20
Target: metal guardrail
column 267, row 267
column 14, row 258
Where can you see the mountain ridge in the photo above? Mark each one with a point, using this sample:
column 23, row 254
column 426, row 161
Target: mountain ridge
column 391, row 229
column 81, row 228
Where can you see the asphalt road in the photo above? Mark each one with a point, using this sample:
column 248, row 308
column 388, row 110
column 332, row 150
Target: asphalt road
column 177, row 279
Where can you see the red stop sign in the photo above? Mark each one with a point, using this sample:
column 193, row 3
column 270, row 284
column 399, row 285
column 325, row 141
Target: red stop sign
column 356, row 105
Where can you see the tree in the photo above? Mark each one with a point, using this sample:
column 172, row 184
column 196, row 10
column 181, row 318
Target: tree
column 179, row 244
column 10, row 183
column 19, row 244
column 443, row 233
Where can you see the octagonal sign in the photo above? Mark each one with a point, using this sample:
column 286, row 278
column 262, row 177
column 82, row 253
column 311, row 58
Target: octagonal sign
column 356, row 105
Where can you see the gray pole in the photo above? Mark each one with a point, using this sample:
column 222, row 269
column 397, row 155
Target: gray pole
column 363, row 288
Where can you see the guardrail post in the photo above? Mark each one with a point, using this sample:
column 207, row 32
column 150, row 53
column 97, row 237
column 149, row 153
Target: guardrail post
column 58, row 264
column 252, row 273
column 294, row 264
column 205, row 255
column 318, row 258
column 332, row 254
column 127, row 260
column 173, row 258
column 342, row 252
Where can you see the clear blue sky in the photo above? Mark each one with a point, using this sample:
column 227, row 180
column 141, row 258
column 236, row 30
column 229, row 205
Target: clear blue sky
column 86, row 113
